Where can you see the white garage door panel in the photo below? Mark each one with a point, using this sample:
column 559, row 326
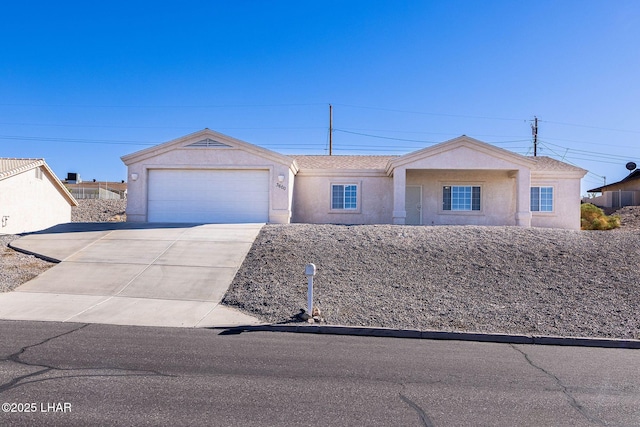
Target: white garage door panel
column 208, row 196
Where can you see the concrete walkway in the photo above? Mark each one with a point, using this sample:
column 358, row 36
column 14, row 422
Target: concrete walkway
column 133, row 274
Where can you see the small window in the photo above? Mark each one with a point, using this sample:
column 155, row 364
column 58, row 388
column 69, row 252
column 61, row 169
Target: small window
column 344, row 196
column 461, row 198
column 541, row 199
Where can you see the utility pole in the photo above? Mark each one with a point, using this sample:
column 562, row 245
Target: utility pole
column 534, row 131
column 330, row 129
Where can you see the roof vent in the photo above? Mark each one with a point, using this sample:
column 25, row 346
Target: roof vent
column 208, row 143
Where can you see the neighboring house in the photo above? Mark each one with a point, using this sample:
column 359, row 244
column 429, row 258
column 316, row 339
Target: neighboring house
column 619, row 194
column 210, row 177
column 32, row 198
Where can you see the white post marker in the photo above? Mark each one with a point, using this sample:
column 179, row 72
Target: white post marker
column 310, row 271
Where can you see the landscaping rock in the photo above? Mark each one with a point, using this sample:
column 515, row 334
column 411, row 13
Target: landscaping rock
column 452, row 278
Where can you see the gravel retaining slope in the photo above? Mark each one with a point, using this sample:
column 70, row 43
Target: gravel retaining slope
column 99, row 210
column 17, row 268
column 482, row 279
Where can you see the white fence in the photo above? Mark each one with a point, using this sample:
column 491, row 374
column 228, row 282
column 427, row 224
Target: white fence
column 97, row 193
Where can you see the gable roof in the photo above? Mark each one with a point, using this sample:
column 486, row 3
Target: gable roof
column 12, row 167
column 461, row 141
column 633, row 176
column 205, row 139
column 368, row 164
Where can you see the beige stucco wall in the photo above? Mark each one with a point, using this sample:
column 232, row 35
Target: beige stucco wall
column 31, row 204
column 504, row 177
column 312, row 200
column 606, row 199
column 209, row 158
column 566, row 203
column 497, row 196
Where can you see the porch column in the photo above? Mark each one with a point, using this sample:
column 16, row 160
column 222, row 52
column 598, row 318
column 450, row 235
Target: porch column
column 399, row 190
column 523, row 198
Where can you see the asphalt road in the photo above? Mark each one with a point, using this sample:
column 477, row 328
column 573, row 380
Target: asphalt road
column 78, row 374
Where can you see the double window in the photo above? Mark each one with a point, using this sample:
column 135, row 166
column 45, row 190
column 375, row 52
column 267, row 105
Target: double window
column 541, row 199
column 344, row 197
column 461, row 198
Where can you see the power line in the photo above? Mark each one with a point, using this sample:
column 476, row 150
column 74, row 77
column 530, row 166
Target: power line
column 160, row 127
column 428, row 113
column 565, row 157
column 422, row 141
column 588, row 142
column 77, row 140
column 612, row 156
column 385, row 137
column 164, row 106
column 591, row 127
column 446, row 134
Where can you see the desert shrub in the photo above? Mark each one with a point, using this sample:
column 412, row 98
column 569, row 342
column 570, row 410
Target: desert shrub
column 593, row 218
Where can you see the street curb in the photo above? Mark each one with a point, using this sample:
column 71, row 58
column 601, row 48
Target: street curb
column 438, row 335
column 37, row 255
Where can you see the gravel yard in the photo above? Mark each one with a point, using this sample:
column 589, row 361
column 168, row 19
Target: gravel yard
column 484, row 279
column 481, row 279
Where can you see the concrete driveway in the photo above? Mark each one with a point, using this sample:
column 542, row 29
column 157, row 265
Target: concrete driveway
column 133, row 274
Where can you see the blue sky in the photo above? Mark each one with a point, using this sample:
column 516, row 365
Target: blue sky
column 83, row 83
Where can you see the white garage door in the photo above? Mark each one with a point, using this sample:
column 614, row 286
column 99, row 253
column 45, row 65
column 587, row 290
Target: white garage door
column 208, row 196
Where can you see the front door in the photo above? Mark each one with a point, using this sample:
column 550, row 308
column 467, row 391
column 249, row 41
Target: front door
column 413, row 205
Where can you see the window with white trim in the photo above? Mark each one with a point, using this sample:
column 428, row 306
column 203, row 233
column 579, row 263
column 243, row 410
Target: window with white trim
column 461, row 198
column 344, row 197
column 541, row 199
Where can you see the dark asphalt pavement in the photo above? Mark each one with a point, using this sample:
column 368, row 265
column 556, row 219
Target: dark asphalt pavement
column 77, row 374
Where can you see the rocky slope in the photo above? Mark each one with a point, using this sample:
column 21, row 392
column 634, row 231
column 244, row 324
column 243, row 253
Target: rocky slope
column 487, row 279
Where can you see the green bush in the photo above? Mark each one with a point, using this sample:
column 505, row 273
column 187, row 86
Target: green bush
column 593, row 218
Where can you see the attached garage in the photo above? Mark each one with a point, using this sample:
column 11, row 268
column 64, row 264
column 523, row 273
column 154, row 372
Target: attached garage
column 208, row 177
column 209, row 196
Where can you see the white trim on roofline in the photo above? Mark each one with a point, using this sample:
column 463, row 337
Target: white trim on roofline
column 461, row 141
column 233, row 143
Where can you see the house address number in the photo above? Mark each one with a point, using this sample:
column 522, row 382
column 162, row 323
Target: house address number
column 280, row 186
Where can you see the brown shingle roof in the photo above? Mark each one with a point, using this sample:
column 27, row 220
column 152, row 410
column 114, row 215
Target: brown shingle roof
column 380, row 162
column 342, row 162
column 544, row 163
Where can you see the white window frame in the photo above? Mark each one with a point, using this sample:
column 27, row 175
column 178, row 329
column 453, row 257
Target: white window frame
column 345, row 184
column 553, row 199
column 461, row 211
